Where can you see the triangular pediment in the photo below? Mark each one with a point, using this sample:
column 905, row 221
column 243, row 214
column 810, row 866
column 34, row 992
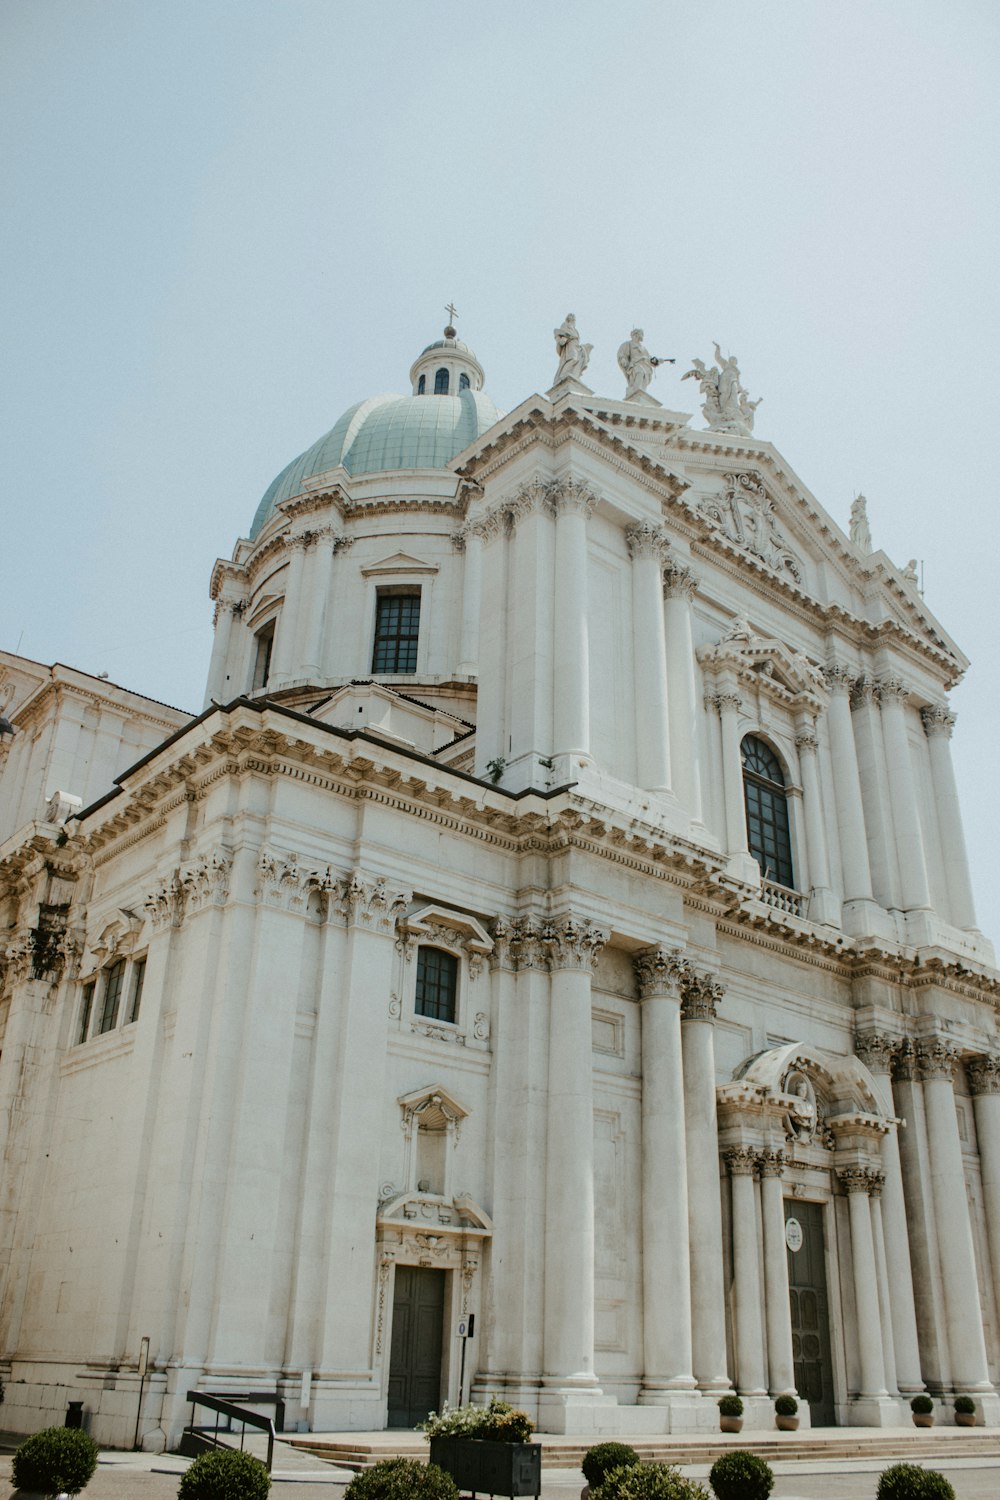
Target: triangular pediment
column 399, row 564
column 767, row 664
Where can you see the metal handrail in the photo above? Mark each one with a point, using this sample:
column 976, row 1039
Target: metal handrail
column 230, row 1409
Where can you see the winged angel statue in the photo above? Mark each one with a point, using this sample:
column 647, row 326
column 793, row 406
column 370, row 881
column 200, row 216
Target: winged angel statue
column 726, row 404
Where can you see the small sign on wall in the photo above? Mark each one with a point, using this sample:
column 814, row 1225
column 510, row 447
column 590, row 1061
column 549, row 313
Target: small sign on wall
column 793, row 1235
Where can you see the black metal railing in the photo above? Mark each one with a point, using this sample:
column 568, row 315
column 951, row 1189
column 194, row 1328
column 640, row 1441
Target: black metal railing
column 232, row 1412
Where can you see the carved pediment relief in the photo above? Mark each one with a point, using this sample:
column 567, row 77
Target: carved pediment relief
column 433, row 1108
column 434, row 1216
column 444, row 928
column 745, row 515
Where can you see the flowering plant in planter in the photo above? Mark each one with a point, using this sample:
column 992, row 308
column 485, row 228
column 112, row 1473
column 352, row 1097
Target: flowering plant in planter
column 485, row 1449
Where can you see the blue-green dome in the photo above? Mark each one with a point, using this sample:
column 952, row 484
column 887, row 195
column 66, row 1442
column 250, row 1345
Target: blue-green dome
column 386, row 432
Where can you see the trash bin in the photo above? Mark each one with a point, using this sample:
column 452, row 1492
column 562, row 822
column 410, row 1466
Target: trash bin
column 74, row 1414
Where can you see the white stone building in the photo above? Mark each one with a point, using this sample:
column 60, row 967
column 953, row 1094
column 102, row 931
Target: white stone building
column 559, row 913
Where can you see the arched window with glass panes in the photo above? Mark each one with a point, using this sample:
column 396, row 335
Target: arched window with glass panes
column 766, row 801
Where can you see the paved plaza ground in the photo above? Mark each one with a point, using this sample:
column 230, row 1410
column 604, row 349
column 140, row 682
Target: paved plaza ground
column 121, row 1476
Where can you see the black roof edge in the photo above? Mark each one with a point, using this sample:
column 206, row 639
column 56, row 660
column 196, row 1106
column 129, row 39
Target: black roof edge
column 260, row 705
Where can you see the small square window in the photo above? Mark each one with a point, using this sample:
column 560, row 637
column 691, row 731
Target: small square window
column 437, row 984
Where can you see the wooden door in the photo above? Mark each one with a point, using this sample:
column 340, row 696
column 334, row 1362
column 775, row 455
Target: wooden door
column 415, row 1355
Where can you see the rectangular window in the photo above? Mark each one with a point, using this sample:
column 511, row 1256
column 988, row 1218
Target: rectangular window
column 397, row 626
column 86, row 1007
column 113, row 982
column 264, row 642
column 437, row 984
column 138, row 975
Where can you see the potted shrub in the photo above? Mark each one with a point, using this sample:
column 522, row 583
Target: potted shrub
column 601, row 1459
column 402, row 1479
column 965, row 1411
column 223, row 1473
column 922, row 1408
column 652, row 1481
column 786, row 1413
column 731, row 1413
column 910, row 1482
column 485, row 1449
column 56, row 1461
column 741, row 1476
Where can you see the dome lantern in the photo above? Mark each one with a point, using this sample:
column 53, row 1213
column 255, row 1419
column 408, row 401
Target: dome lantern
column 446, row 368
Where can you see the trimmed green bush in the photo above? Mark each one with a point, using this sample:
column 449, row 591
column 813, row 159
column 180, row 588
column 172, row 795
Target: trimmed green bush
column 499, row 1423
column 730, row 1406
column 741, row 1476
column 603, row 1457
column 648, row 1482
column 225, row 1474
column 54, row 1461
column 910, row 1482
column 965, row 1405
column 922, row 1406
column 786, row 1406
column 402, row 1479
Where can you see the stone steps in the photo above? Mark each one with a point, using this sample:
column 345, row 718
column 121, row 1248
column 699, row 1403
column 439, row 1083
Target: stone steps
column 567, row 1452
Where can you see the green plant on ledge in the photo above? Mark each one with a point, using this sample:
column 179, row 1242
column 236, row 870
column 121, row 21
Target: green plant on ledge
column 55, row 1461
column 785, row 1406
column 495, row 768
column 910, row 1482
column 965, row 1405
column 922, row 1406
column 730, row 1406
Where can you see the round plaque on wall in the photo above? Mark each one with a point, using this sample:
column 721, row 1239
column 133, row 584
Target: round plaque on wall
column 793, row 1235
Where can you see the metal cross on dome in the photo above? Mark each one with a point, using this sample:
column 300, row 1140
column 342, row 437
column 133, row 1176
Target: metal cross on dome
column 452, row 312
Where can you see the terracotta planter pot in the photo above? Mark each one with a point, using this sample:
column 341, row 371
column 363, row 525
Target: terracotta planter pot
column 923, row 1419
column 787, row 1424
column 965, row 1419
column 731, row 1424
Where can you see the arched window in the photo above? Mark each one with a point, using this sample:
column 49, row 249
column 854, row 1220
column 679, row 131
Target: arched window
column 767, row 811
column 437, row 984
column 263, row 646
column 441, row 383
column 422, row 385
column 463, row 382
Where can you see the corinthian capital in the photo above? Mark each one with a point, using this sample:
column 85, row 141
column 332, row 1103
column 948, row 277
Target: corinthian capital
column 856, row 1179
column 646, row 540
column 741, row 1161
column 892, row 690
column 573, row 944
column 875, row 1050
column 658, row 971
column 837, row 677
column 574, row 496
column 700, row 996
column 983, row 1074
column 938, row 721
column 679, row 582
column 936, row 1059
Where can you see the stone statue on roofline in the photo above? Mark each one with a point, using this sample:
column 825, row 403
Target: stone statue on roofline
column 726, row 404
column 637, row 365
column 860, row 531
column 574, row 356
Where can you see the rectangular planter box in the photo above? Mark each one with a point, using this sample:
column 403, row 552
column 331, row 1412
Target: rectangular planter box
column 490, row 1468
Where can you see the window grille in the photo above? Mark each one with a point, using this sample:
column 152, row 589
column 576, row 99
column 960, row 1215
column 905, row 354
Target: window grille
column 397, row 627
column 113, row 982
column 766, row 804
column 437, row 984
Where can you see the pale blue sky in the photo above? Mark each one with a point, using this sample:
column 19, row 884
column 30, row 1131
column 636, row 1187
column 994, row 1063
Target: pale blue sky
column 224, row 222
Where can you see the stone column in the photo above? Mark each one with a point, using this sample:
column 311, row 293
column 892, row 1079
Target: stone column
column 729, row 703
column 568, row 1317
column 283, row 663
column 847, row 788
column 679, row 586
column 914, row 891
column 966, row 1342
column 574, row 504
column 470, row 541
column 216, row 688
column 876, row 1052
column 750, row 1376
column 983, row 1074
column 866, row 715
column 938, row 726
column 316, row 572
column 700, row 995
column 778, row 1314
column 822, row 906
column 856, row 1182
column 648, row 547
column 877, row 1181
column 666, row 1317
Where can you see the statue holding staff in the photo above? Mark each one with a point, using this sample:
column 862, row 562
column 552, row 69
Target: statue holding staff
column 637, row 364
column 573, row 356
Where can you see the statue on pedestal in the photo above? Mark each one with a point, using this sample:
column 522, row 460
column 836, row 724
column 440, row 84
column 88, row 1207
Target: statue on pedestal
column 573, row 356
column 726, row 404
column 860, row 531
column 637, row 364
